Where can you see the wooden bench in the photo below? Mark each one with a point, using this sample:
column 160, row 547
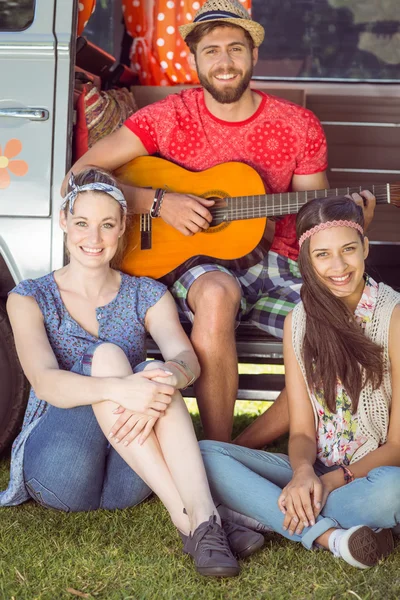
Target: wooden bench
column 255, row 347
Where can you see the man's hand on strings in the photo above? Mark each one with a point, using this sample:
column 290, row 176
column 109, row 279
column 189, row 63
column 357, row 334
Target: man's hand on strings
column 187, row 213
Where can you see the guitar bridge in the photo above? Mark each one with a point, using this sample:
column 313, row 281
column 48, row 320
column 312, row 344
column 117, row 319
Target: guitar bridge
column 145, row 232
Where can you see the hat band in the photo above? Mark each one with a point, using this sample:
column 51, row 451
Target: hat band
column 216, row 14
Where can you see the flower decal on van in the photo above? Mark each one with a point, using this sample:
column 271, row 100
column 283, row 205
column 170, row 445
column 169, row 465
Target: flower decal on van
column 16, row 167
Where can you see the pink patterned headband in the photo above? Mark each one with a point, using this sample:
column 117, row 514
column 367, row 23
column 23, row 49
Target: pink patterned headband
column 328, row 225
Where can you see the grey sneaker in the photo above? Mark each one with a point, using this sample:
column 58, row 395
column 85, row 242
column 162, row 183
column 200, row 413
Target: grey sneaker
column 363, row 547
column 242, row 541
column 209, row 547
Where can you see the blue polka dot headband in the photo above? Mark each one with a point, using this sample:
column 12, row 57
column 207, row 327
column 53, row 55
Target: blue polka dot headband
column 111, row 190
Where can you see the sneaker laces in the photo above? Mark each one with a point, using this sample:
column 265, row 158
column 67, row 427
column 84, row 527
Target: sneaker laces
column 213, row 538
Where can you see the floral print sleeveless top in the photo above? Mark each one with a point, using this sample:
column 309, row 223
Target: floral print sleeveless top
column 338, row 435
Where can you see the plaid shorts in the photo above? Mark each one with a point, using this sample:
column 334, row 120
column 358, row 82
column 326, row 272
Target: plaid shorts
column 270, row 290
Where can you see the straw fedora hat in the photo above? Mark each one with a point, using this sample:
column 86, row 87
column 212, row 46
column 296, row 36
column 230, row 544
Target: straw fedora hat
column 229, row 11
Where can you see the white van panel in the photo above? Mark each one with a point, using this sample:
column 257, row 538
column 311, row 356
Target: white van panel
column 25, row 244
column 36, row 70
column 27, row 73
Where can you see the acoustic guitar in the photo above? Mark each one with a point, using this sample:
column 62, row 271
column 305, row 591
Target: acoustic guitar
column 240, row 213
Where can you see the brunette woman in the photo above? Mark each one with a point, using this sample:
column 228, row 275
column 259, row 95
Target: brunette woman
column 339, row 488
column 103, row 428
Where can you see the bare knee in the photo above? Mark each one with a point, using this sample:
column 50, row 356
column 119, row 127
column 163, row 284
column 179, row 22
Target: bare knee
column 216, row 297
column 109, row 360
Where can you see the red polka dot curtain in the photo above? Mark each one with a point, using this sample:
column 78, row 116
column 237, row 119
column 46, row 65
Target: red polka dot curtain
column 159, row 54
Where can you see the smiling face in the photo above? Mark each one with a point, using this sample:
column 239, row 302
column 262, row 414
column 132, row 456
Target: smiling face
column 94, row 229
column 224, row 63
column 338, row 255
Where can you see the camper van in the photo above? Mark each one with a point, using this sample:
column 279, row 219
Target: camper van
column 41, row 61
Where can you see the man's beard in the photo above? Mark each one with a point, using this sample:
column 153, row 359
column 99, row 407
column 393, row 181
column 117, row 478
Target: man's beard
column 229, row 94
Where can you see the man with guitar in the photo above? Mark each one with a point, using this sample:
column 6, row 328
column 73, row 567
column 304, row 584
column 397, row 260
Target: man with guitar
column 226, row 121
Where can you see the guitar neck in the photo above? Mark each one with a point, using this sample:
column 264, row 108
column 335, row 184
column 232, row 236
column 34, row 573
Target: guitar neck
column 280, row 204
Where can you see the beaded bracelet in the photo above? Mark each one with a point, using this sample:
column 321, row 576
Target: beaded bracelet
column 157, row 201
column 347, row 474
column 153, row 206
column 158, row 209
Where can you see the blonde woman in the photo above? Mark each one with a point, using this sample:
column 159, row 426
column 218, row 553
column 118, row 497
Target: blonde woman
column 103, row 428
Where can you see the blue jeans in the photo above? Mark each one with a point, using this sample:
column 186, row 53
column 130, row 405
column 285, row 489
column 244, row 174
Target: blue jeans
column 250, row 482
column 69, row 464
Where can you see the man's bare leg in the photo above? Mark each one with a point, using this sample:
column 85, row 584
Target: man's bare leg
column 273, row 423
column 214, row 299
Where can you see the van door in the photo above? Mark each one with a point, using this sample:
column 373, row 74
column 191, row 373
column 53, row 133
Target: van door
column 36, row 51
column 27, row 75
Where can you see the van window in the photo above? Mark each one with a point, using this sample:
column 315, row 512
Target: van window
column 16, row 15
column 329, row 40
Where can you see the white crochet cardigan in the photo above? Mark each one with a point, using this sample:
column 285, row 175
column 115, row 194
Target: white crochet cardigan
column 374, row 405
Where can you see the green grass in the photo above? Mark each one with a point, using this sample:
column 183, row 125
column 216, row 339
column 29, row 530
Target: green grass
column 136, row 555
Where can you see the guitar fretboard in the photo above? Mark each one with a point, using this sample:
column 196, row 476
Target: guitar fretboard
column 270, row 205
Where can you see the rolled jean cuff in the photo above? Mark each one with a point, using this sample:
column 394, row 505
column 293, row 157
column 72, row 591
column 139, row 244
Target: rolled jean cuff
column 322, row 525
column 83, row 365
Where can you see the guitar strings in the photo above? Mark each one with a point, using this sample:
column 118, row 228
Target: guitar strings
column 267, row 210
column 256, row 203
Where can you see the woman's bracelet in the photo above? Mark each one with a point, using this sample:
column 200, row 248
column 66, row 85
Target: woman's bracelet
column 347, row 474
column 157, row 202
column 183, row 368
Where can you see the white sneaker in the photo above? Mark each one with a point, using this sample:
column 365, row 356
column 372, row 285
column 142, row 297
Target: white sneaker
column 363, row 547
column 231, row 515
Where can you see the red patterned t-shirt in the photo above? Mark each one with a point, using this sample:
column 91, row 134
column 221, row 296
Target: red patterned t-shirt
column 281, row 139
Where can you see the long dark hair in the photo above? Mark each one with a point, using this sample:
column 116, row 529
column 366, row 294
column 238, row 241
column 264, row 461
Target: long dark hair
column 335, row 347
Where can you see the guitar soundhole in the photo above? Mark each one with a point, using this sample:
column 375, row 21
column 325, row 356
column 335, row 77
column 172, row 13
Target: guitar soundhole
column 220, row 203
column 216, row 229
